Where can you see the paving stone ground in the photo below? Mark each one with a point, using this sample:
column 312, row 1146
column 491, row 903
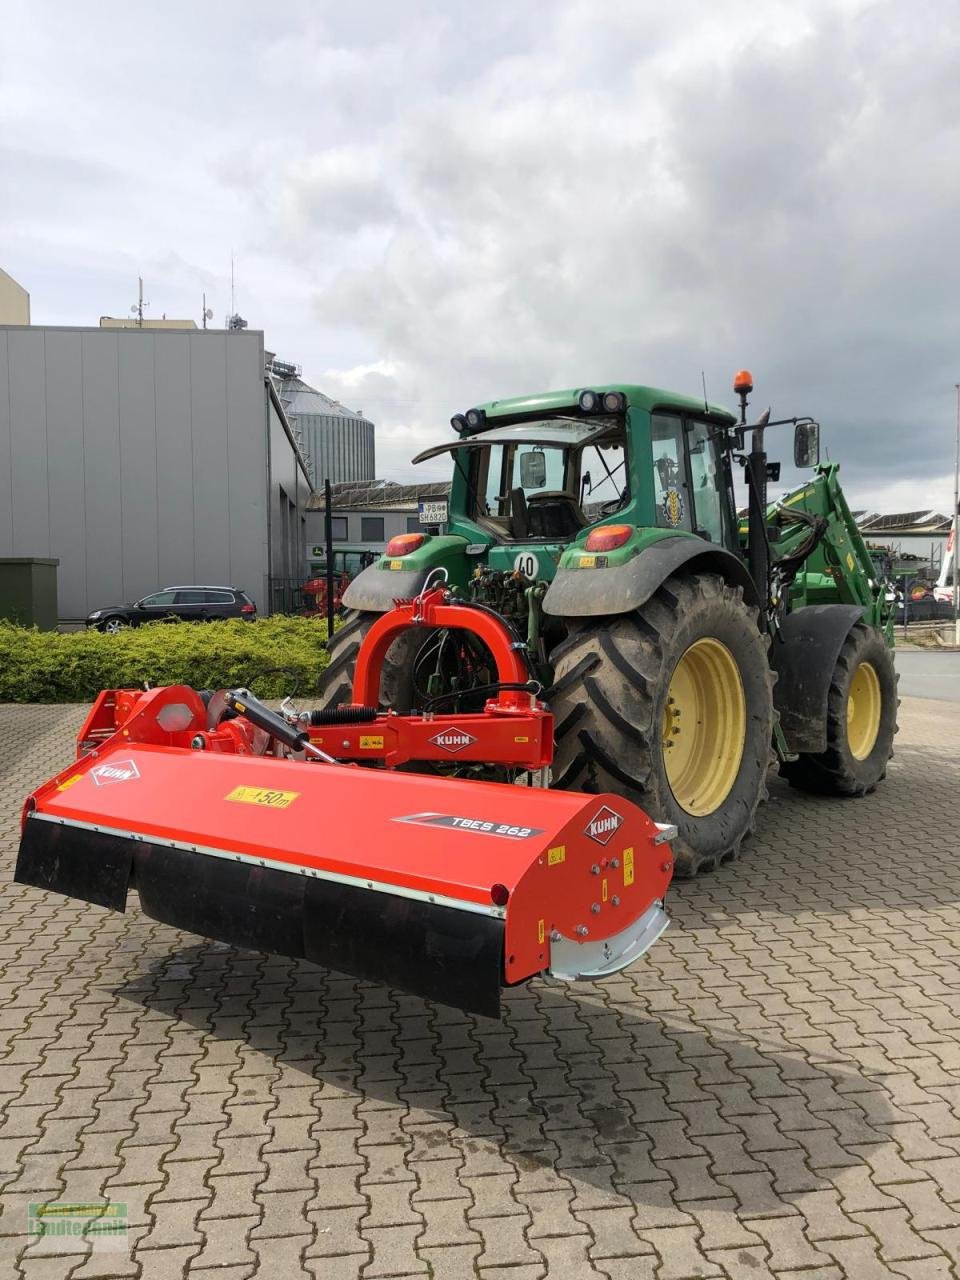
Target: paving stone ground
column 774, row 1091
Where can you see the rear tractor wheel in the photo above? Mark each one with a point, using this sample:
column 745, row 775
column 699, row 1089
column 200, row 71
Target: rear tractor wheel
column 396, row 680
column 861, row 721
column 671, row 706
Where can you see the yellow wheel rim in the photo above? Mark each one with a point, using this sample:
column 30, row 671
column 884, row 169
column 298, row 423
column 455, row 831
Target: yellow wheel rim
column 863, row 711
column 704, row 725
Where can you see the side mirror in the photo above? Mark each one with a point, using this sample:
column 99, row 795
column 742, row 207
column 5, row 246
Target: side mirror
column 533, row 469
column 806, row 444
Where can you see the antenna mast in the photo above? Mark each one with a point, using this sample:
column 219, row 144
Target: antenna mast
column 137, row 308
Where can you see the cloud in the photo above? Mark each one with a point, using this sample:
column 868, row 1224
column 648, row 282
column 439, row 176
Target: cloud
column 442, row 206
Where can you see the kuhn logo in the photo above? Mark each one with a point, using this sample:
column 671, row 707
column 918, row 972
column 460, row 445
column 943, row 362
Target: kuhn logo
column 603, row 825
column 116, row 771
column 453, row 740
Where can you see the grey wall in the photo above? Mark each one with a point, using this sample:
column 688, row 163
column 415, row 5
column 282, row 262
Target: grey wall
column 139, row 459
column 289, row 492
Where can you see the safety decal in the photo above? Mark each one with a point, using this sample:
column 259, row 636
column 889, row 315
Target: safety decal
column 603, row 825
column 115, row 771
column 541, row 930
column 371, row 742
column 556, row 855
column 453, row 739
column 673, row 507
column 68, row 782
column 263, row 796
column 627, row 867
column 482, row 827
column 588, row 562
column 396, row 564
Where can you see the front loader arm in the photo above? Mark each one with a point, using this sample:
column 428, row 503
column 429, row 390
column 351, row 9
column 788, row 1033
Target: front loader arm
column 840, row 569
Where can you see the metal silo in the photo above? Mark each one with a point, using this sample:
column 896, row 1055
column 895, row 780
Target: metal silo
column 338, row 441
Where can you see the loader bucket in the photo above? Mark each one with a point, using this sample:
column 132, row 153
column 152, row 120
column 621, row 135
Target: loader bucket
column 448, row 889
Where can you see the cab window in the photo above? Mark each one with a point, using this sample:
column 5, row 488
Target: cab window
column 705, row 481
column 670, row 486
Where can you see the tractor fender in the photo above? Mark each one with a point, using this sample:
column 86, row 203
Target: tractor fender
column 389, row 579
column 804, row 657
column 588, row 593
column 375, row 589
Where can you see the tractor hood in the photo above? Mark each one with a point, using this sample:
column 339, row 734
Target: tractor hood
column 563, row 432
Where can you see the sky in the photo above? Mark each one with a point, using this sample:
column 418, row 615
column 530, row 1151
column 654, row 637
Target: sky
column 434, row 205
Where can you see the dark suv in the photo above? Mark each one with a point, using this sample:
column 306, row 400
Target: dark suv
column 176, row 604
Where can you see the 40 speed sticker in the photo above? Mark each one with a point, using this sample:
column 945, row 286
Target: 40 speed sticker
column 481, row 826
column 263, row 796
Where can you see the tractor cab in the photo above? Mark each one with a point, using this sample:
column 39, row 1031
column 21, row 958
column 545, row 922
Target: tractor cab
column 541, row 480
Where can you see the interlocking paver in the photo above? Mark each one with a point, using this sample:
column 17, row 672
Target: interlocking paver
column 774, row 1091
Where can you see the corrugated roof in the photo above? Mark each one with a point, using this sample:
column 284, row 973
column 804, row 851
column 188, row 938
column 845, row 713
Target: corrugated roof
column 378, row 494
column 923, row 521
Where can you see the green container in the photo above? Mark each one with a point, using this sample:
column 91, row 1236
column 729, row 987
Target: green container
column 28, row 591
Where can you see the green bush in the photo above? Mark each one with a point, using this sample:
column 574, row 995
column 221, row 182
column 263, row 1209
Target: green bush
column 271, row 656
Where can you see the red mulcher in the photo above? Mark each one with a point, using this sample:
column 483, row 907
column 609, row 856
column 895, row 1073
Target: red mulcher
column 295, row 834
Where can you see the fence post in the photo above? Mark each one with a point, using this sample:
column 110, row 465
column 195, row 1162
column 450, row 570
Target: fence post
column 328, row 537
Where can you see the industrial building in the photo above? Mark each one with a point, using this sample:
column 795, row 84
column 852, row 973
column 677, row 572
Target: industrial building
column 338, row 442
column 148, row 457
column 915, row 539
column 366, row 516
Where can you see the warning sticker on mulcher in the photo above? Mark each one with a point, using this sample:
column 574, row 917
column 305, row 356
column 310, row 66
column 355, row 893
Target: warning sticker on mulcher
column 263, row 796
column 454, row 822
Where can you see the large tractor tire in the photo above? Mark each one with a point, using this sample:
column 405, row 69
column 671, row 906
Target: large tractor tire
column 671, row 706
column 396, row 680
column 861, row 721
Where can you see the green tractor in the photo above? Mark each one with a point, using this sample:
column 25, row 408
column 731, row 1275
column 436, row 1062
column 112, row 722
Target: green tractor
column 681, row 649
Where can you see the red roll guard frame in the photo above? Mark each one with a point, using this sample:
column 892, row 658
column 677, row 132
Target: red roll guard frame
column 445, row 887
column 513, row 728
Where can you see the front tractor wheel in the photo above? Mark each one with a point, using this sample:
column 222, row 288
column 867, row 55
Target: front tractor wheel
column 861, row 721
column 671, row 706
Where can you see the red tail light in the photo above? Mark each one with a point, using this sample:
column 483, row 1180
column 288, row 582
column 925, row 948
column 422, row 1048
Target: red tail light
column 608, row 537
column 404, row 543
column 248, row 608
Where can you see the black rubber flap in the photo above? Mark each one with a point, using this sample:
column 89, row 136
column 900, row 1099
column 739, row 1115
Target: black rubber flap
column 89, row 865
column 441, row 953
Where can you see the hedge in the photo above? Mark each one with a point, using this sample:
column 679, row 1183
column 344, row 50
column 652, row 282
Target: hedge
column 272, row 656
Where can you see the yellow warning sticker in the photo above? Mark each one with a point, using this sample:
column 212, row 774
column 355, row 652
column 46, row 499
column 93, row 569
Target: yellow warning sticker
column 603, row 890
column 521, row 739
column 541, row 930
column 556, row 855
column 627, row 867
column 588, row 562
column 396, row 564
column 849, row 561
column 68, row 782
column 263, row 796
column 371, row 742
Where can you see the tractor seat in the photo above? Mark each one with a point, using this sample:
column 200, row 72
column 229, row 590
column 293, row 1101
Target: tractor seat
column 555, row 514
